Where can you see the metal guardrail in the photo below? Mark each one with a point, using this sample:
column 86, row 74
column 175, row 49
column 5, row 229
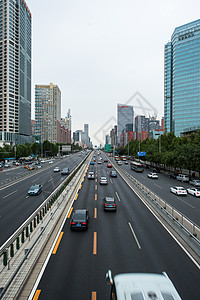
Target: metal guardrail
column 12, row 245
column 192, row 229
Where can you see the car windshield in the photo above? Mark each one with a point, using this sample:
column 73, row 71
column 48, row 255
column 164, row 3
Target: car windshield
column 91, row 173
column 182, row 189
column 103, row 178
column 33, row 188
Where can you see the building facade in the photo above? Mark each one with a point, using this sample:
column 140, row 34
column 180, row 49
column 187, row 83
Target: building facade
column 141, row 127
column 124, row 118
column 47, row 112
column 15, row 72
column 182, row 76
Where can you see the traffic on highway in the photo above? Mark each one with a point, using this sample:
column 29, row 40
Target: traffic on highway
column 129, row 239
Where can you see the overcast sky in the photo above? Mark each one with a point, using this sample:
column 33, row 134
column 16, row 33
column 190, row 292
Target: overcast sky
column 103, row 52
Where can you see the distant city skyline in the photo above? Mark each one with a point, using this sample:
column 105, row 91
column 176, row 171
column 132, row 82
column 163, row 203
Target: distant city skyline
column 99, row 64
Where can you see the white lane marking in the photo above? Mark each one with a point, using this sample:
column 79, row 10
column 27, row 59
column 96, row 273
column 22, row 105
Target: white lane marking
column 50, row 180
column 35, row 180
column 158, row 185
column 176, row 240
column 111, row 180
column 9, row 194
column 186, row 202
column 131, row 228
column 117, row 196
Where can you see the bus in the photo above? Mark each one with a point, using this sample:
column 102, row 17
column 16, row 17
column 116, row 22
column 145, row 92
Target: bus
column 123, row 157
column 116, row 157
column 137, row 166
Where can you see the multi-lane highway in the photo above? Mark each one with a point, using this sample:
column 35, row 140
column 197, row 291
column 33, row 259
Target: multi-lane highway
column 129, row 240
column 187, row 205
column 15, row 204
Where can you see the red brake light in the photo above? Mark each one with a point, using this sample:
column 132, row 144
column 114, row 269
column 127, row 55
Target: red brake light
column 105, row 204
column 114, row 204
column 73, row 223
column 84, row 223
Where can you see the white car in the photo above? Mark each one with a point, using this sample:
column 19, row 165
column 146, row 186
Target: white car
column 103, row 180
column 50, row 162
column 91, row 175
column 194, row 191
column 99, row 162
column 56, row 169
column 178, row 190
column 119, row 163
column 152, row 175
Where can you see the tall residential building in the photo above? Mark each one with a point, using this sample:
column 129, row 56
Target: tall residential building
column 15, row 72
column 124, row 117
column 47, row 112
column 182, row 77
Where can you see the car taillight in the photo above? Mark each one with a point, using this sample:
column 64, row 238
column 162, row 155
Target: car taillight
column 197, row 193
column 84, row 223
column 105, row 204
column 114, row 204
column 73, row 223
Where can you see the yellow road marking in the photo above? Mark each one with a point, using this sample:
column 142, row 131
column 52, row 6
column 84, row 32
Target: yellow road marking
column 96, row 180
column 37, row 294
column 95, row 243
column 80, row 186
column 57, row 243
column 94, row 295
column 95, row 187
column 95, row 213
column 69, row 214
column 76, row 197
column 83, row 180
column 95, row 197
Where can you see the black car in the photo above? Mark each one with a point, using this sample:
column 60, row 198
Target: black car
column 65, row 171
column 35, row 189
column 109, row 203
column 80, row 219
column 113, row 174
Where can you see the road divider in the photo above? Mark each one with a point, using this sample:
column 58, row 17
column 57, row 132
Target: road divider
column 31, row 237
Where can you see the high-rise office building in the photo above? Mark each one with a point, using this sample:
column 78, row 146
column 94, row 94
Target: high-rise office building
column 124, row 117
column 141, row 127
column 15, row 72
column 182, row 77
column 47, row 112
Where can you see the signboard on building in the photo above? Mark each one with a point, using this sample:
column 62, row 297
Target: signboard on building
column 107, row 148
column 66, row 148
column 141, row 153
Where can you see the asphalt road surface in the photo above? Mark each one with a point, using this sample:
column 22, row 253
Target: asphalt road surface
column 128, row 240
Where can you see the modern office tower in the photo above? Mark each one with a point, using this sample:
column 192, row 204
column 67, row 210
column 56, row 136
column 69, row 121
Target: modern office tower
column 15, row 72
column 47, row 112
column 86, row 129
column 182, row 77
column 141, row 127
column 124, row 117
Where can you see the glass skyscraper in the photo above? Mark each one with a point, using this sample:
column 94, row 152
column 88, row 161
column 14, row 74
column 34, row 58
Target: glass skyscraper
column 182, row 79
column 15, row 71
column 124, row 117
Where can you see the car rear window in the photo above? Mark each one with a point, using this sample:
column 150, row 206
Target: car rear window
column 79, row 217
column 110, row 200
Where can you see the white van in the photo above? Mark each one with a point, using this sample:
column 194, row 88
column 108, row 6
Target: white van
column 182, row 177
